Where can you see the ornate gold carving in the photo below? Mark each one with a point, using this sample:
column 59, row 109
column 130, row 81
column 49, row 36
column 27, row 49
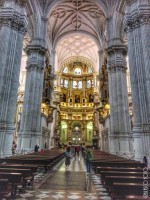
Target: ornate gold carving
column 104, row 83
column 48, row 83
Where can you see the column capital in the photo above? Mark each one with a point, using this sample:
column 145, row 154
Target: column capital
column 36, row 57
column 116, row 58
column 117, row 68
column 14, row 17
column 117, row 49
column 21, row 2
column 137, row 17
column 130, row 2
column 35, row 48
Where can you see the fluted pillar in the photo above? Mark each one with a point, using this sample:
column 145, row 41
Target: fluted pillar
column 13, row 25
column 30, row 131
column 137, row 26
column 120, row 138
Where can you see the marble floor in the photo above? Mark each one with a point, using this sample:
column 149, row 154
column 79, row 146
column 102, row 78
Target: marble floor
column 65, row 184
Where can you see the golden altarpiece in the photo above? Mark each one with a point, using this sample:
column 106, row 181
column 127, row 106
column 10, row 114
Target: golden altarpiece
column 78, row 90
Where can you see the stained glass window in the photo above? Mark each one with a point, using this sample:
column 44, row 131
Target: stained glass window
column 89, row 70
column 65, row 70
column 66, row 83
column 80, row 84
column 88, row 83
column 77, row 71
column 62, row 82
column 75, row 85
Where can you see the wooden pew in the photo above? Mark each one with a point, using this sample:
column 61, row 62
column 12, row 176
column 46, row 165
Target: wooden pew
column 124, row 189
column 135, row 197
column 33, row 168
column 14, row 178
column 119, row 173
column 109, row 180
column 96, row 164
column 123, row 169
column 45, row 160
column 26, row 174
column 38, row 161
column 5, row 188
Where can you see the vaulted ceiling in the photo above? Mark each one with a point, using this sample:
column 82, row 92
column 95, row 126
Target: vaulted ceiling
column 74, row 16
column 77, row 28
column 77, row 45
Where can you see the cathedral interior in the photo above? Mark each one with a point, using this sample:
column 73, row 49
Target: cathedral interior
column 75, row 72
column 68, row 75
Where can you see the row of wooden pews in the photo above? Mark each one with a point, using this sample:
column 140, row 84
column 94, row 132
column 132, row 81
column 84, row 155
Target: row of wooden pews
column 16, row 172
column 124, row 179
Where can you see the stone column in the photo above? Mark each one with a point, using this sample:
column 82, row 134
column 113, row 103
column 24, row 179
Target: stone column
column 137, row 26
column 30, row 132
column 12, row 28
column 120, row 138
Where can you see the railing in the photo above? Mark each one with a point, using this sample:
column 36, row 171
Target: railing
column 76, row 105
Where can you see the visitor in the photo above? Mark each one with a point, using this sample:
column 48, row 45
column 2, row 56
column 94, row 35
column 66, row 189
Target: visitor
column 14, row 146
column 42, row 151
column 67, row 157
column 78, row 150
column 145, row 160
column 45, row 146
column 36, row 148
column 72, row 149
column 88, row 158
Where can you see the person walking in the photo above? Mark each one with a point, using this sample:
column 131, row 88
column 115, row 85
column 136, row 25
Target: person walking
column 67, row 157
column 88, row 158
column 72, row 149
column 14, row 146
column 78, row 150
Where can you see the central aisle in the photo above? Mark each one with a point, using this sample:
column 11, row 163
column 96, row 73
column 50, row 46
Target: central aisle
column 61, row 183
column 61, row 178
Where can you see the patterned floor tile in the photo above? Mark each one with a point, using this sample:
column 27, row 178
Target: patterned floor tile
column 76, row 174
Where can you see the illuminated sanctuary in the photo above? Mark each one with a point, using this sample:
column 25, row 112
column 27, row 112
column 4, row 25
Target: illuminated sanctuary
column 75, row 72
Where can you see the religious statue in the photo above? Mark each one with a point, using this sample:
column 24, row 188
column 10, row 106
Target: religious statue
column 77, row 99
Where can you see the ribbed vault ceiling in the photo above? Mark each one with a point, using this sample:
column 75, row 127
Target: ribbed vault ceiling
column 76, row 28
column 77, row 45
column 84, row 16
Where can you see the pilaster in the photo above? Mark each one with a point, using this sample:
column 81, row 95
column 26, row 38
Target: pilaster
column 137, row 27
column 120, row 137
column 13, row 25
column 30, row 131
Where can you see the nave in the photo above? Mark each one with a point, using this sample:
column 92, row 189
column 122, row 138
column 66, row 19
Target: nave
column 43, row 175
column 65, row 184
